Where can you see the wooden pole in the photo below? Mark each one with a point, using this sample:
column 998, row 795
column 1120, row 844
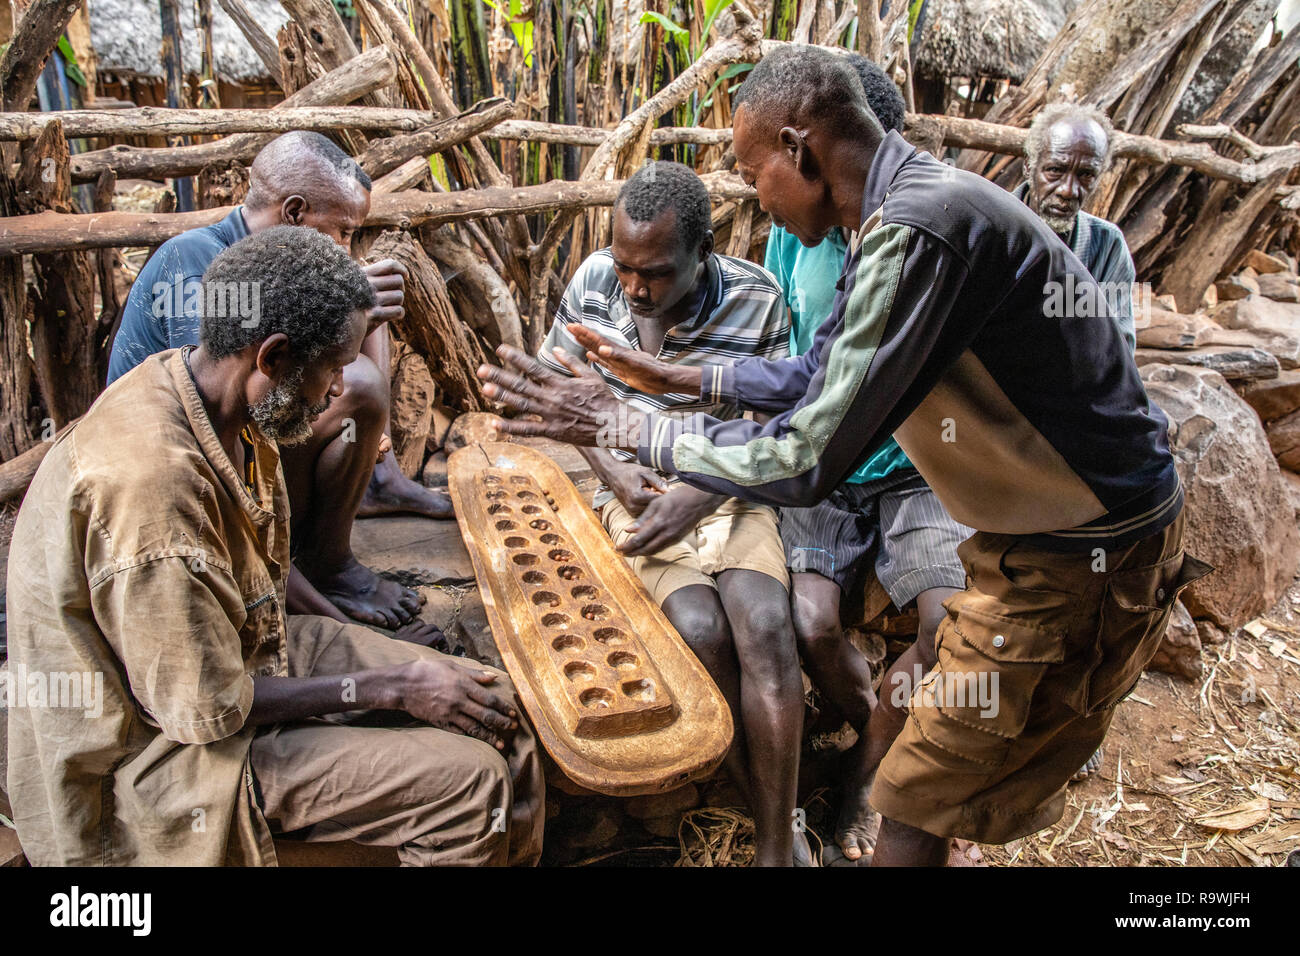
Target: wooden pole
column 174, row 72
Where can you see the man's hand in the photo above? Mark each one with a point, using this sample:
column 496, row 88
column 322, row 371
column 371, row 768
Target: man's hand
column 634, row 485
column 668, row 518
column 638, row 369
column 387, row 278
column 455, row 698
column 577, row 409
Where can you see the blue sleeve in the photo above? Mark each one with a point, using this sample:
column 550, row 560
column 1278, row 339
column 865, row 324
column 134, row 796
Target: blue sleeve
column 162, row 310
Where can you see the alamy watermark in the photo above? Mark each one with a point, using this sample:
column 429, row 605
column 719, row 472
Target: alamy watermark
column 219, row 300
column 64, row 690
column 946, row 689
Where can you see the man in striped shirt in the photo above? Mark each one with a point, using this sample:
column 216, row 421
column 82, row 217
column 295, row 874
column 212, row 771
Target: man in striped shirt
column 713, row 562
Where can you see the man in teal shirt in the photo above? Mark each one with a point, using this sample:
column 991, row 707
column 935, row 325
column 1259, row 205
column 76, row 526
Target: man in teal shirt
column 885, row 505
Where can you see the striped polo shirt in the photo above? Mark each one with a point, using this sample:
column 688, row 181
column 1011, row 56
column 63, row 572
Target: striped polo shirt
column 741, row 314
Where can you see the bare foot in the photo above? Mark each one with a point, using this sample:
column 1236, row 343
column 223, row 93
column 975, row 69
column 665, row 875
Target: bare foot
column 366, row 597
column 858, row 824
column 391, row 492
column 424, row 633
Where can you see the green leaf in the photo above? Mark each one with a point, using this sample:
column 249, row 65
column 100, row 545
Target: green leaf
column 70, row 62
column 669, row 27
column 711, row 10
column 913, row 12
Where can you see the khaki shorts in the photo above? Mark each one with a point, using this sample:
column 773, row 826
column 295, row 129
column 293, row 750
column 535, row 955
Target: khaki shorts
column 737, row 536
column 1032, row 658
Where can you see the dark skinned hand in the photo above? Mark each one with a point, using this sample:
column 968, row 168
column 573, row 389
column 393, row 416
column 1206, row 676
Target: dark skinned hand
column 668, row 518
column 577, row 409
column 634, row 485
column 458, row 699
column 387, row 278
column 639, row 369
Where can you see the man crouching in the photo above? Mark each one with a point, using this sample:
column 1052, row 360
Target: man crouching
column 153, row 548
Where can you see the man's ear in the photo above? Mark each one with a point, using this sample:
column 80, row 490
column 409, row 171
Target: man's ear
column 293, row 211
column 273, row 358
column 706, row 246
column 795, row 144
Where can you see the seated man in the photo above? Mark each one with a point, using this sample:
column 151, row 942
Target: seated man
column 884, row 505
column 713, row 562
column 147, row 585
column 303, row 179
column 1066, row 151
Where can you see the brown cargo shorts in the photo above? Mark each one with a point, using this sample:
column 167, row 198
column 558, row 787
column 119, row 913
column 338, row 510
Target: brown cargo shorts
column 1032, row 658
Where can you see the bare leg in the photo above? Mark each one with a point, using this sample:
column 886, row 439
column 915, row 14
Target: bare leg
column 888, row 717
column 771, row 703
column 327, row 476
column 902, row 845
column 844, row 676
column 391, row 492
column 697, row 614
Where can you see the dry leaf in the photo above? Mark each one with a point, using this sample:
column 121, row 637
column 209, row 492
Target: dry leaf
column 1241, row 817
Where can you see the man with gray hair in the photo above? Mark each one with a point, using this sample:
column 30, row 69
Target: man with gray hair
column 1067, row 150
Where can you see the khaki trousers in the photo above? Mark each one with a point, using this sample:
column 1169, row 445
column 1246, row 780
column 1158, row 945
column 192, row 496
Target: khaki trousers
column 382, row 778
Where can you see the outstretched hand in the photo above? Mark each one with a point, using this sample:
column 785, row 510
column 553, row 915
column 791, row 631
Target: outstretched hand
column 639, row 370
column 576, row 408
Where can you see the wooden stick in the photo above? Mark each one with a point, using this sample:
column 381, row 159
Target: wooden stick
column 160, row 121
column 386, row 155
column 51, row 231
column 33, row 40
column 363, row 74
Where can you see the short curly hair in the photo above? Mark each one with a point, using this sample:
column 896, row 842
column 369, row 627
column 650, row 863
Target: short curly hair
column 289, row 279
column 882, row 93
column 660, row 185
column 1049, row 116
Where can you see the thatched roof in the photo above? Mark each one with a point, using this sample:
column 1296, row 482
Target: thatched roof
column 127, row 37
column 1001, row 38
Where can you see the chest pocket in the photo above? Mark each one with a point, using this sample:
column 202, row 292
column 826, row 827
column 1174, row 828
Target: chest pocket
column 262, row 634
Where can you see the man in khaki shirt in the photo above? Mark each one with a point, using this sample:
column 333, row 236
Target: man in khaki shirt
column 163, row 710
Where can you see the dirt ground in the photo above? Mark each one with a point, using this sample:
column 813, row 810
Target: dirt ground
column 1204, row 773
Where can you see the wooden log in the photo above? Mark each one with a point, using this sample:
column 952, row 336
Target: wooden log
column 257, row 38
column 16, row 432
column 106, row 260
column 430, row 326
column 300, row 66
column 369, row 71
column 411, row 172
column 386, row 155
column 16, row 473
column 65, row 334
column 160, row 121
column 488, row 304
column 34, row 38
column 49, row 231
column 329, row 38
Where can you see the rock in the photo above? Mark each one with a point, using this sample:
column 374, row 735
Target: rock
column 1280, row 287
column 1263, row 263
column 1180, row 651
column 1286, row 258
column 1236, row 287
column 410, row 413
column 1275, row 397
column 1292, row 481
column 1210, row 633
column 1170, row 330
column 1284, row 439
column 1233, row 363
column 671, row 804
column 663, row 826
column 471, row 428
column 1210, row 297
column 413, row 550
column 1258, row 312
column 869, row 643
column 1166, row 302
column 1239, row 515
column 1282, row 346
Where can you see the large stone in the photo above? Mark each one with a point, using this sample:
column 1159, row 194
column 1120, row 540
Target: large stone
column 1281, row 287
column 1158, row 329
column 471, row 428
column 1180, row 651
column 1282, row 346
column 1236, row 287
column 1233, row 363
column 1263, row 263
column 1284, row 439
column 1259, row 312
column 1239, row 515
column 1275, row 397
column 413, row 550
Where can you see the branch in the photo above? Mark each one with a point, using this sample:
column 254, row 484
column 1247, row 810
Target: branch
column 160, row 121
column 33, row 41
column 51, row 231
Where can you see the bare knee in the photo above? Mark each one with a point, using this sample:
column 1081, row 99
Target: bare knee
column 703, row 627
column 817, row 629
column 366, row 391
column 764, row 638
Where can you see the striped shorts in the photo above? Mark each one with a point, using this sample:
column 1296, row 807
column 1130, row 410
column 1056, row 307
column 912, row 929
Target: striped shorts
column 915, row 538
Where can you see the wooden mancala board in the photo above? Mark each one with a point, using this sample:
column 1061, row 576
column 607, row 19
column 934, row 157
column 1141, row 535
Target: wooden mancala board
column 616, row 696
